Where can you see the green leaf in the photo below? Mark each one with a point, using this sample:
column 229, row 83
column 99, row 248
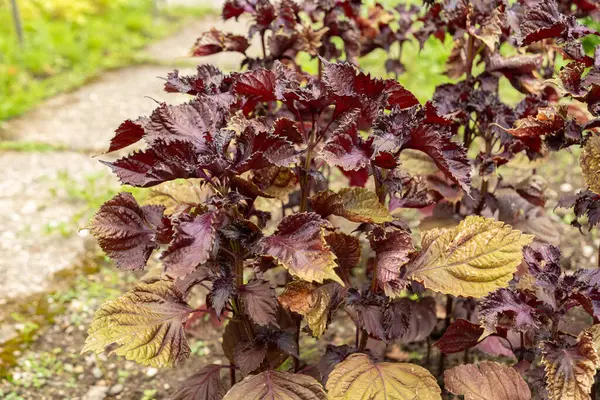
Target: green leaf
column 277, row 385
column 146, row 324
column 354, row 204
column 357, row 377
column 474, row 258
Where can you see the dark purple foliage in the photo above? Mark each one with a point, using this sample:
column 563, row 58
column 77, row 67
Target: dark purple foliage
column 253, row 177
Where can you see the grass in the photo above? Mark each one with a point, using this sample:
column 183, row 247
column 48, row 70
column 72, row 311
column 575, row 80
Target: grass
column 90, row 192
column 67, row 42
column 29, row 147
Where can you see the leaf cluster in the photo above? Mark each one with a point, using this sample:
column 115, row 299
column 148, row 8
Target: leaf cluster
column 277, row 199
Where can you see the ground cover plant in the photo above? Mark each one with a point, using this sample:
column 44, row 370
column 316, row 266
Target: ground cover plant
column 279, row 196
column 67, row 42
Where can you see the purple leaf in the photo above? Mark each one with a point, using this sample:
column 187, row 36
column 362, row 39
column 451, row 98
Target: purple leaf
column 215, row 41
column 192, row 122
column 408, row 129
column 544, row 21
column 332, row 357
column 127, row 133
column 260, row 302
column 192, row 243
column 160, row 163
column 422, row 320
column 299, row 246
column 345, row 148
column 129, row 233
column 392, row 249
column 222, row 289
column 459, row 336
column 515, row 305
column 203, row 385
column 249, row 356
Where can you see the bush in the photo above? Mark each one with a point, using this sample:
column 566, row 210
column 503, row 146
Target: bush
column 344, row 152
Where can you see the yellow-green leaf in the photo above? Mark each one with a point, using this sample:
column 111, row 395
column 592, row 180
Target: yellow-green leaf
column 491, row 29
column 594, row 334
column 311, row 301
column 146, row 324
column 570, row 370
column 590, row 163
column 354, row 204
column 415, row 163
column 357, row 377
column 178, row 195
column 474, row 258
column 277, row 385
column 275, row 181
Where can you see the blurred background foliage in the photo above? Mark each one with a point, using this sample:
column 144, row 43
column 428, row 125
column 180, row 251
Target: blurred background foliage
column 66, row 42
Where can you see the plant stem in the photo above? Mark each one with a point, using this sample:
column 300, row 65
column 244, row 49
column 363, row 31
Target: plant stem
column 305, row 193
column 483, row 190
column 305, row 185
column 447, row 320
column 467, row 137
column 554, row 328
column 484, row 182
column 320, row 68
column 232, row 376
column 379, row 189
column 236, row 302
column 428, row 355
column 363, row 340
column 470, row 55
column 17, row 21
column 262, row 43
column 399, row 58
column 522, row 349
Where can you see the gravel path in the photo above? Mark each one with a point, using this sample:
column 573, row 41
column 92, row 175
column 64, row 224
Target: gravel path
column 47, row 196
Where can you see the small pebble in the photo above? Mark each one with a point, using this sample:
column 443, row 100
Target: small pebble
column 96, row 393
column 97, row 372
column 151, row 372
column 566, row 187
column 116, row 389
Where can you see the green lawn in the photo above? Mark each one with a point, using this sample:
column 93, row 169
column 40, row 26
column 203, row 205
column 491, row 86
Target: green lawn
column 69, row 41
